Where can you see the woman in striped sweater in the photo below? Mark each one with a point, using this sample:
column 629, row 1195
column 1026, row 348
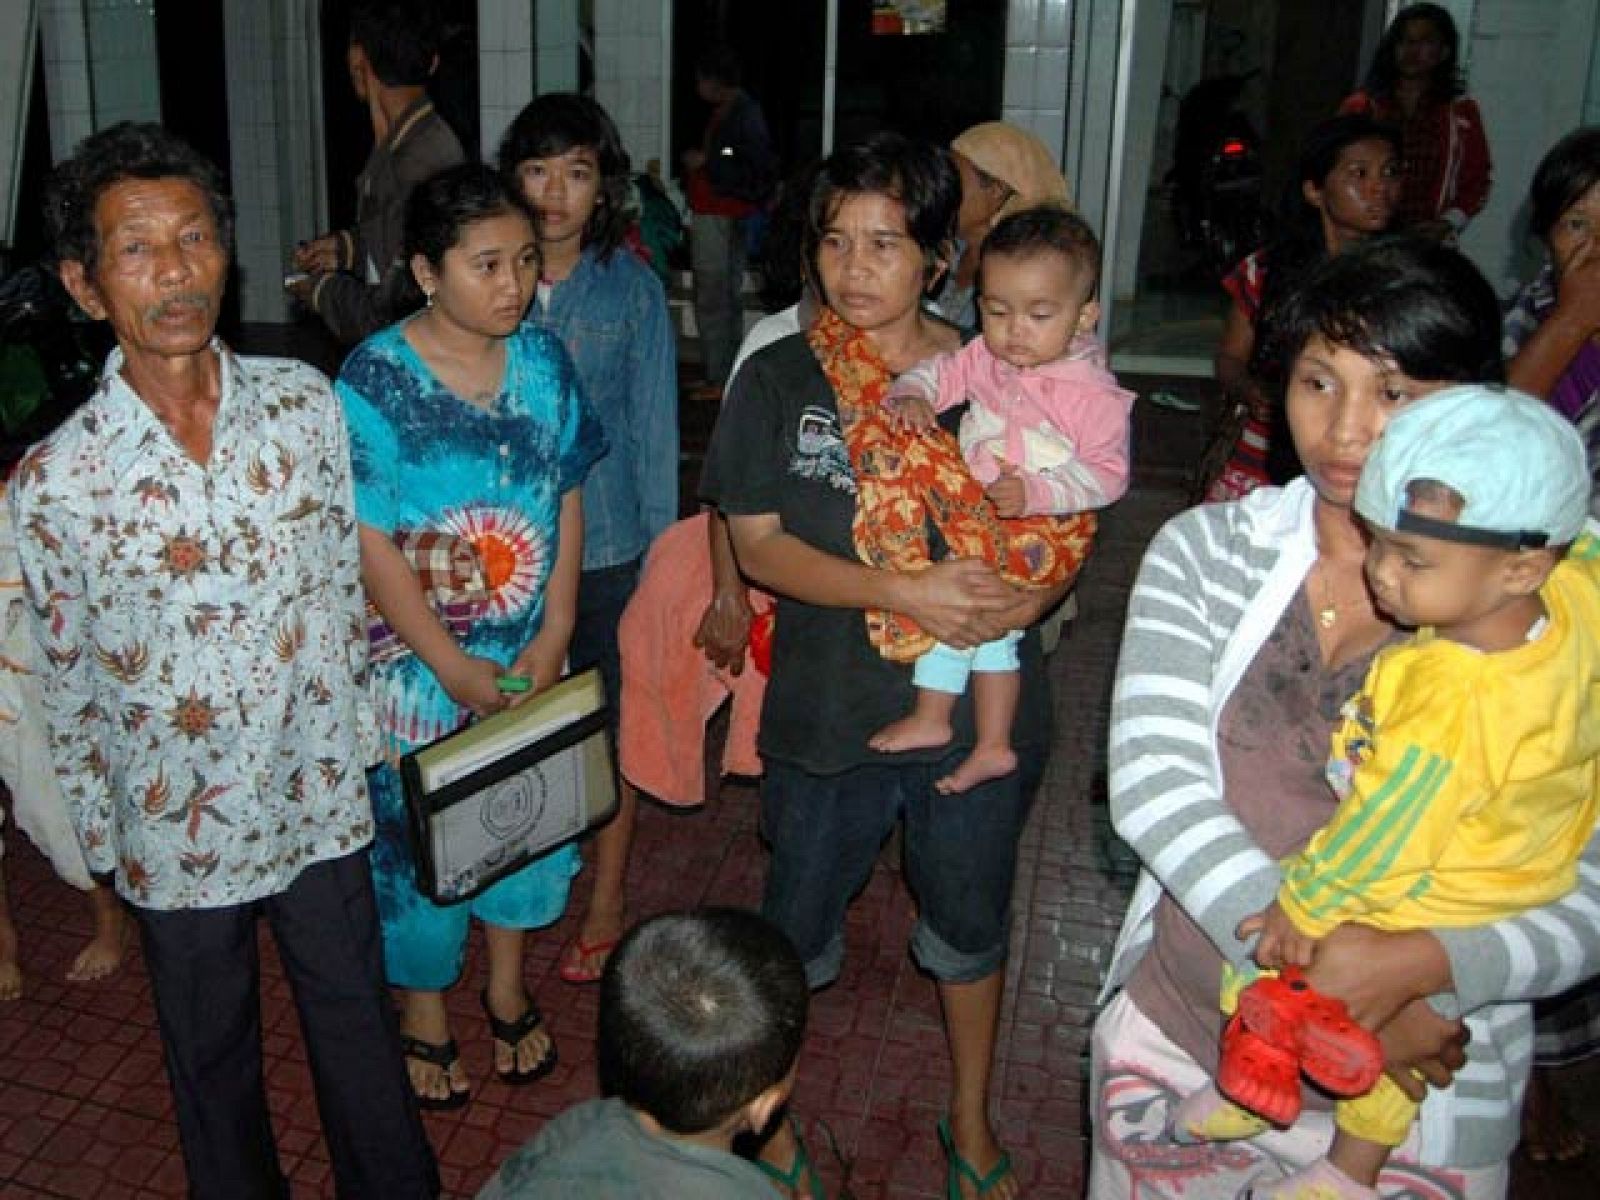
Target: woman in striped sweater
column 1249, row 626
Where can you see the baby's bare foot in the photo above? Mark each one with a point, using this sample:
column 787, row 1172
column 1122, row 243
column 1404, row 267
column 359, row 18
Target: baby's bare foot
column 983, row 764
column 911, row 733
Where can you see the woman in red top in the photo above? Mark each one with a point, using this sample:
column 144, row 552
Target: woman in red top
column 1415, row 83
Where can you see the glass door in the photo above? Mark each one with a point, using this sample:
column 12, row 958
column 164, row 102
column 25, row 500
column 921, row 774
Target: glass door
column 1186, row 134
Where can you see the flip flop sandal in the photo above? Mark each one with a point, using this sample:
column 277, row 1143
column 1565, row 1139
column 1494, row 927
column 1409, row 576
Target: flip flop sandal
column 1257, row 1075
column 572, row 970
column 959, row 1168
column 1331, row 1048
column 444, row 1056
column 801, row 1168
column 512, row 1033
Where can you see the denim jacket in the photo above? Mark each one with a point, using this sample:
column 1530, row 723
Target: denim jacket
column 612, row 317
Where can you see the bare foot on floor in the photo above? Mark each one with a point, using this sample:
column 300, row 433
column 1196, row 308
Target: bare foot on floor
column 103, row 953
column 1549, row 1133
column 10, row 968
column 911, row 733
column 983, row 764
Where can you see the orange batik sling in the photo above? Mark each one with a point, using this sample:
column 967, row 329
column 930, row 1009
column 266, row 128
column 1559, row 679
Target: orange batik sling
column 906, row 479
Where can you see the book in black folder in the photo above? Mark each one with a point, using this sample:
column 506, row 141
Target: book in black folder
column 492, row 797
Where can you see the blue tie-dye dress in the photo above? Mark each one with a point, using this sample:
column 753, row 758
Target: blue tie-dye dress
column 425, row 459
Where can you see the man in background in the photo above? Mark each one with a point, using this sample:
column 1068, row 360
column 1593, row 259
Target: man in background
column 729, row 178
column 356, row 280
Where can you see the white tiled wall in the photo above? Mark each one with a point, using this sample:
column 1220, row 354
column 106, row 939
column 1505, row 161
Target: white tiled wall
column 1524, row 112
column 274, row 106
column 17, row 42
column 64, row 33
column 555, row 46
column 1038, row 56
column 1061, row 82
column 633, row 40
column 505, row 66
column 122, row 57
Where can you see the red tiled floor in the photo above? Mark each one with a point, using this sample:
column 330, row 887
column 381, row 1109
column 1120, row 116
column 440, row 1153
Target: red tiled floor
column 84, row 1106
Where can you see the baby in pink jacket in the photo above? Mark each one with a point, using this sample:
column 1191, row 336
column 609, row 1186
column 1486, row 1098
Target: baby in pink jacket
column 1045, row 430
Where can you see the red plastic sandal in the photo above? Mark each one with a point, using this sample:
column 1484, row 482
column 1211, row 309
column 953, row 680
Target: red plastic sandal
column 1257, row 1075
column 1330, row 1047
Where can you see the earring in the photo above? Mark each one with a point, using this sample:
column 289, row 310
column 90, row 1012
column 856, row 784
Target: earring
column 427, row 297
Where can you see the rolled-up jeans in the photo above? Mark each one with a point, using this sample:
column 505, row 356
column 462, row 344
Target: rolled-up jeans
column 960, row 858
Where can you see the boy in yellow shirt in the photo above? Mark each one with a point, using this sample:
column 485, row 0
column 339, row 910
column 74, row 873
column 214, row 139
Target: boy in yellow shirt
column 1466, row 766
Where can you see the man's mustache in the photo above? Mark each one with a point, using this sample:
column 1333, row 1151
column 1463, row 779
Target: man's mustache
column 178, row 305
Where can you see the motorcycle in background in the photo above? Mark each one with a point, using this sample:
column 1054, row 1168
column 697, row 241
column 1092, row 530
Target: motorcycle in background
column 1217, row 174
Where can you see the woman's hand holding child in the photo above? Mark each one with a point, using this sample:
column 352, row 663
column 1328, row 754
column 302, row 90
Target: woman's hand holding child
column 959, row 601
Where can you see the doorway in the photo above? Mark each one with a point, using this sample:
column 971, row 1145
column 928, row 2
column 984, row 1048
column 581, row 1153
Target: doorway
column 1208, row 155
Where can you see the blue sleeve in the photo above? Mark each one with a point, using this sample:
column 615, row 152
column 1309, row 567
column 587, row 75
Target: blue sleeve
column 374, row 444
column 653, row 404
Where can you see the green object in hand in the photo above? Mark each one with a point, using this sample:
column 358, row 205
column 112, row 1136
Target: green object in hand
column 514, row 684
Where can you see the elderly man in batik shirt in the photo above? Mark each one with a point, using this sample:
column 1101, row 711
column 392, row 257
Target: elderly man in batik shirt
column 189, row 549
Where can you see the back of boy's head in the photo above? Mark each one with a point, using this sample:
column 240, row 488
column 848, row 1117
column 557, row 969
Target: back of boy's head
column 700, row 1013
column 400, row 39
column 1047, row 229
column 1495, row 466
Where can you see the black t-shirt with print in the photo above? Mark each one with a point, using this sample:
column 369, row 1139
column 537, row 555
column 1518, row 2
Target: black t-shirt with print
column 777, row 449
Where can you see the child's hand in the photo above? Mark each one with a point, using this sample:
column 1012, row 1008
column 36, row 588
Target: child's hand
column 1008, row 494
column 724, row 629
column 473, row 683
column 1280, row 944
column 909, row 411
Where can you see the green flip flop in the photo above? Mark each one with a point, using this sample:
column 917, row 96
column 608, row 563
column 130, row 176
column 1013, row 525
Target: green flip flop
column 801, row 1168
column 960, row 1168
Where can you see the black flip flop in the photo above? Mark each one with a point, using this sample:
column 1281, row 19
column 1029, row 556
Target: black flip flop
column 512, row 1033
column 442, row 1056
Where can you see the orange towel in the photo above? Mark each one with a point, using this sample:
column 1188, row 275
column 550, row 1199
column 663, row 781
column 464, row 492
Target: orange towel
column 669, row 688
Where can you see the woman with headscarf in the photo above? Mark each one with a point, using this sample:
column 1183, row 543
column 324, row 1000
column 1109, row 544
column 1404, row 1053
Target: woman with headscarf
column 1003, row 170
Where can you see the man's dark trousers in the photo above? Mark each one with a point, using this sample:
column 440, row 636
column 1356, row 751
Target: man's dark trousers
column 205, row 973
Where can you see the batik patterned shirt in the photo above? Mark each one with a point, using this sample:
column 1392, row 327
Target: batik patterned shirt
column 203, row 636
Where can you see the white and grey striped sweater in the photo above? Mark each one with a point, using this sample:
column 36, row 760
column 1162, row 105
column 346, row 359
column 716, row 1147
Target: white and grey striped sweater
column 1212, row 587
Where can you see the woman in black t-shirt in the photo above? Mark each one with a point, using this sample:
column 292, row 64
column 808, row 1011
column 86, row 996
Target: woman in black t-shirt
column 781, row 469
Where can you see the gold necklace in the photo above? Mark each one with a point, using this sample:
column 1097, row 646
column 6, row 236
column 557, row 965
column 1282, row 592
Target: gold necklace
column 1332, row 606
column 1329, row 612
